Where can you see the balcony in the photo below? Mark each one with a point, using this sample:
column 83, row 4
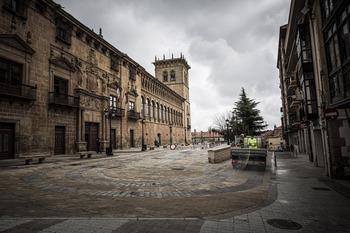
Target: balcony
column 133, row 115
column 293, row 83
column 296, row 101
column 18, row 91
column 119, row 112
column 63, row 100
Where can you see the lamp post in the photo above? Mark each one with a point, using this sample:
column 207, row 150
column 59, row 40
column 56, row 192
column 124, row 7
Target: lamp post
column 143, row 121
column 185, row 136
column 195, row 132
column 171, row 133
column 110, row 114
column 228, row 139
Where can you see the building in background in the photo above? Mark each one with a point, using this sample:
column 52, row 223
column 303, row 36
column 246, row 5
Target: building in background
column 313, row 62
column 274, row 139
column 63, row 88
column 209, row 136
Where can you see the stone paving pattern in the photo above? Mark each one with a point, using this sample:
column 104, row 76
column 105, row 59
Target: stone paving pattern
column 168, row 191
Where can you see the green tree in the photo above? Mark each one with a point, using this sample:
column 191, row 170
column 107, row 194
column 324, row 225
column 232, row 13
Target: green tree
column 246, row 117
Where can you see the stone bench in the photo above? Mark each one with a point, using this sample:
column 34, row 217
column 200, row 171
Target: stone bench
column 219, row 155
column 151, row 147
column 29, row 158
column 88, row 154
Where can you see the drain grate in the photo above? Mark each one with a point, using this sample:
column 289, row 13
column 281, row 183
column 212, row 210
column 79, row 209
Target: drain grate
column 76, row 164
column 178, row 168
column 284, row 224
column 321, row 188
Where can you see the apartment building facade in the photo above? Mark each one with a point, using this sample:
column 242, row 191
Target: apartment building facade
column 313, row 61
column 63, row 87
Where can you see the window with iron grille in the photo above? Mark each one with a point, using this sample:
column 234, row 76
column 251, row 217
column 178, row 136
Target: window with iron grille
column 64, row 31
column 114, row 62
column 10, row 72
column 16, row 7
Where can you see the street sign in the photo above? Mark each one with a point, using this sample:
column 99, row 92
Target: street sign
column 172, row 146
column 331, row 114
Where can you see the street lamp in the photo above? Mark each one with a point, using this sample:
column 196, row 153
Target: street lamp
column 143, row 121
column 228, row 139
column 195, row 132
column 110, row 114
column 171, row 132
column 185, row 136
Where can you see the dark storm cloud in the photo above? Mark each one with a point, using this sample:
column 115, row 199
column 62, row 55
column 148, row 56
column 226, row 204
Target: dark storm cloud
column 229, row 44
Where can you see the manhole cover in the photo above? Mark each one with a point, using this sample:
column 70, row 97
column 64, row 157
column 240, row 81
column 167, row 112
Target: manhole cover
column 284, row 224
column 320, row 188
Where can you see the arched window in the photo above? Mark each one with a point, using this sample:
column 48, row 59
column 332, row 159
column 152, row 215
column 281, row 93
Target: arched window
column 161, row 112
column 165, row 76
column 147, row 107
column 142, row 106
column 157, row 111
column 152, row 109
column 169, row 114
column 172, row 75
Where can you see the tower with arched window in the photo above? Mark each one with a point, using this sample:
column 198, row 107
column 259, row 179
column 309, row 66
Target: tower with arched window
column 174, row 73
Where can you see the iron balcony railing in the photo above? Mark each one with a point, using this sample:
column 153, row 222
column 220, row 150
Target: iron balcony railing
column 133, row 115
column 18, row 90
column 60, row 99
column 119, row 112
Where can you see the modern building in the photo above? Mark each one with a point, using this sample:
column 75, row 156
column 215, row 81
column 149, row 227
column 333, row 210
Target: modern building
column 313, row 62
column 63, row 87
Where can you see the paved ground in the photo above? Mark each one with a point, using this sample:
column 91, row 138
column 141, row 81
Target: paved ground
column 169, row 191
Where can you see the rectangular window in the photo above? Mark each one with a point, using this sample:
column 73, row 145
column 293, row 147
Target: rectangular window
column 114, row 62
column 345, row 41
column 132, row 72
column 131, row 106
column 16, row 7
column 113, row 102
column 63, row 31
column 61, row 90
column 10, row 72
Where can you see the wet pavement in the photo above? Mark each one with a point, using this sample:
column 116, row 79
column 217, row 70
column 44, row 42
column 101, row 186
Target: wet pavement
column 166, row 190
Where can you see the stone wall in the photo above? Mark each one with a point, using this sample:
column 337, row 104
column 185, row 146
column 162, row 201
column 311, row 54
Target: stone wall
column 219, row 155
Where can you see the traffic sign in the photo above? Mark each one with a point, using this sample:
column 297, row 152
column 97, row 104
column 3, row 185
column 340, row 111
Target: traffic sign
column 331, row 114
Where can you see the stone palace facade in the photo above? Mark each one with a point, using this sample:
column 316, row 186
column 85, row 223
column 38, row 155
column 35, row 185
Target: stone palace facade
column 63, row 87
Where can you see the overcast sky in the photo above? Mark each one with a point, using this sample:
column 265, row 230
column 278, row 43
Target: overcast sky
column 229, row 44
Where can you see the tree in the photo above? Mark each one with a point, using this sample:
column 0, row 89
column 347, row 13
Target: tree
column 221, row 124
column 220, row 120
column 246, row 117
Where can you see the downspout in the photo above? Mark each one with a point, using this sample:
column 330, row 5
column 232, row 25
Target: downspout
column 121, row 118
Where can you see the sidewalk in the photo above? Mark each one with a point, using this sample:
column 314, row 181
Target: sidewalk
column 300, row 198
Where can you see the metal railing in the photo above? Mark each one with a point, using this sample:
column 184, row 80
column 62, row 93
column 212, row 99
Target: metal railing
column 18, row 90
column 63, row 100
column 133, row 115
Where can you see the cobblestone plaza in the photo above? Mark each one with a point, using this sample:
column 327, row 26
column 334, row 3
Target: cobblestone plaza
column 170, row 191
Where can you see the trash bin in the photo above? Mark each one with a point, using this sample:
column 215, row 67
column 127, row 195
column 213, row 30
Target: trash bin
column 144, row 147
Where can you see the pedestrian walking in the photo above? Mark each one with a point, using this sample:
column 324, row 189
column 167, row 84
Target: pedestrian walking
column 98, row 145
